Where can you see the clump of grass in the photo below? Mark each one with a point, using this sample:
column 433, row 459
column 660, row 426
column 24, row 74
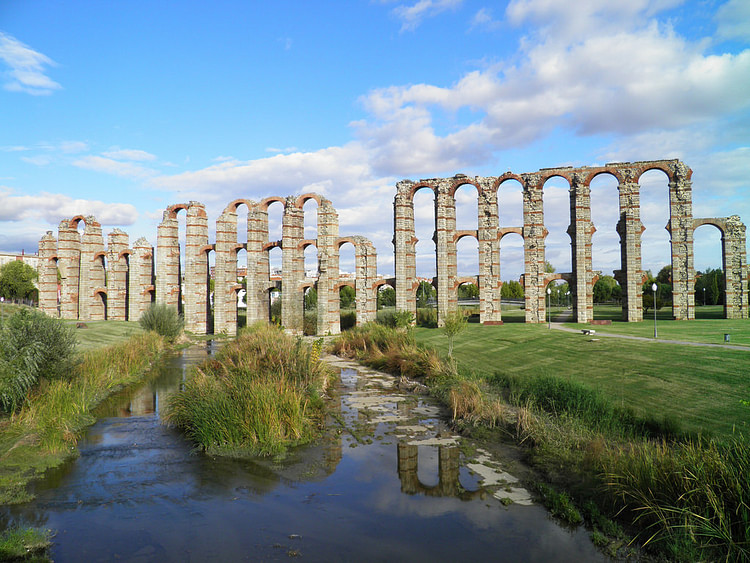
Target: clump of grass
column 692, row 496
column 559, row 504
column 19, row 543
column 163, row 320
column 260, row 394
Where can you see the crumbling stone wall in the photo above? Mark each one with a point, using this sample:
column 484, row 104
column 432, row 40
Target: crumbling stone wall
column 581, row 229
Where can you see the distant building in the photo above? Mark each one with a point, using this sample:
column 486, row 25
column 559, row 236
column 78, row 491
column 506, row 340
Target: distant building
column 30, row 259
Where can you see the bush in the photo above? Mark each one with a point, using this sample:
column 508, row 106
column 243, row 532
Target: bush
column 348, row 319
column 32, row 346
column 310, row 323
column 163, row 320
column 427, row 317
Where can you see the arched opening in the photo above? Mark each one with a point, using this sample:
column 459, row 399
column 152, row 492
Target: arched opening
column 466, row 207
column 424, row 230
column 655, row 241
column 98, row 282
column 557, row 299
column 274, row 305
column 605, row 246
column 556, row 204
column 386, row 299
column 310, row 310
column 467, row 295
column 710, row 280
column 512, row 268
column 426, row 298
column 310, row 212
column 275, row 210
column 100, row 305
column 347, row 305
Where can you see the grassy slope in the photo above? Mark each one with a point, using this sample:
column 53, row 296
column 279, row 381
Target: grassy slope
column 699, row 387
column 99, row 334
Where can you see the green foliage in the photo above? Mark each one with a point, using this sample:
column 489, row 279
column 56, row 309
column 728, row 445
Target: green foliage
column 427, row 317
column 311, row 299
column 275, row 311
column 347, row 296
column 511, row 290
column 17, row 543
column 310, row 323
column 712, row 280
column 665, row 275
column 403, row 319
column 17, row 281
column 347, row 319
column 607, row 289
column 691, row 497
column 468, row 291
column 559, row 504
column 454, row 323
column 549, row 268
column 163, row 320
column 258, row 395
column 425, row 293
column 32, row 346
column 558, row 292
column 386, row 296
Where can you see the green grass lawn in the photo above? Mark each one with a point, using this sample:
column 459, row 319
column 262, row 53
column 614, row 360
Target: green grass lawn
column 699, row 387
column 104, row 333
column 709, row 326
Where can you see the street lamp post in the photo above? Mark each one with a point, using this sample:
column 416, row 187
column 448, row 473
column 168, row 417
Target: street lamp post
column 567, row 295
column 653, row 288
column 704, row 296
column 549, row 318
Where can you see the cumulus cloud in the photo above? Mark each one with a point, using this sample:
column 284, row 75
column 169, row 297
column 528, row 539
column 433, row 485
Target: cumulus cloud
column 733, row 20
column 27, row 68
column 51, row 208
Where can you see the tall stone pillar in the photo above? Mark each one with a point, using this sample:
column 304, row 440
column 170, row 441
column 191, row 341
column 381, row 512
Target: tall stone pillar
column 404, row 241
column 117, row 276
column 141, row 279
column 681, row 234
column 371, row 274
column 48, row 275
column 69, row 263
column 197, row 306
column 328, row 232
column 90, row 304
column 534, row 234
column 168, row 274
column 445, row 247
column 293, row 267
column 488, row 237
column 630, row 229
column 258, row 272
column 581, row 230
column 225, row 274
column 736, row 304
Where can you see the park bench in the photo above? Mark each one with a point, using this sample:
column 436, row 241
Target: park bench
column 588, row 331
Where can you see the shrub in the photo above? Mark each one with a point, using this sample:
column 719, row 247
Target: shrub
column 427, row 317
column 348, row 319
column 163, row 320
column 310, row 323
column 32, row 346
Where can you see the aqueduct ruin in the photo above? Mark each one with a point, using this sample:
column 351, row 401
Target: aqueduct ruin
column 117, row 281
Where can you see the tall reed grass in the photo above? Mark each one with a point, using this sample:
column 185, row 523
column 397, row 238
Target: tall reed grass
column 261, row 394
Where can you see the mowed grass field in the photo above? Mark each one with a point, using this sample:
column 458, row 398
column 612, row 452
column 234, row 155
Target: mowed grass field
column 699, row 387
column 708, row 327
column 99, row 334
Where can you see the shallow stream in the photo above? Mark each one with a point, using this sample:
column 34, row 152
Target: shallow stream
column 390, row 482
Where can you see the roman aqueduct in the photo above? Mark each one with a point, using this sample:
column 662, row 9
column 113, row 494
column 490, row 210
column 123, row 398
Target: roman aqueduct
column 118, row 281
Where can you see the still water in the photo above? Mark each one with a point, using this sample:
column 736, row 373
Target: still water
column 388, row 483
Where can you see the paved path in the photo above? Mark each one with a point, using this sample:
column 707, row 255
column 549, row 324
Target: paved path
column 557, row 324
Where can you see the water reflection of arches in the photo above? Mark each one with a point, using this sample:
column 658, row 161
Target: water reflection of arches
column 449, row 484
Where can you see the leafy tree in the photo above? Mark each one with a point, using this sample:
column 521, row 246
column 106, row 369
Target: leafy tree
column 468, row 291
column 455, row 322
column 558, row 292
column 511, row 290
column 549, row 268
column 606, row 289
column 665, row 275
column 386, row 297
column 311, row 299
column 713, row 282
column 425, row 292
column 346, row 297
column 17, row 280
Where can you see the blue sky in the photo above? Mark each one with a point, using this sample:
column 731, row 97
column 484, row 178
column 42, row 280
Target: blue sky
column 118, row 109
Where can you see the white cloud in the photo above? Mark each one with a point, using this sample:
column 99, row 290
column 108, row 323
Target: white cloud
column 129, row 154
column 411, row 16
column 110, row 166
column 733, row 19
column 27, row 68
column 52, row 208
column 72, row 147
column 485, row 21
